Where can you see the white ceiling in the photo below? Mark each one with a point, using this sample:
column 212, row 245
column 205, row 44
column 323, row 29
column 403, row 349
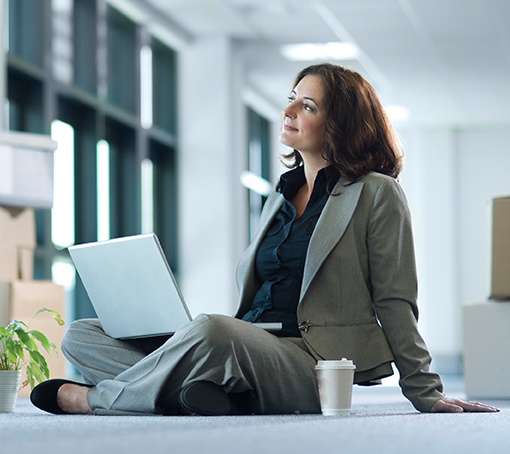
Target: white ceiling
column 447, row 61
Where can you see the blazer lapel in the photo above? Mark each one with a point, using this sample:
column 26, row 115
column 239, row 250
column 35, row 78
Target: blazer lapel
column 331, row 226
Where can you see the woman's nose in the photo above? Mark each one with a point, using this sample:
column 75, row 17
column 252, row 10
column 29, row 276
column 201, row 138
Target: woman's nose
column 289, row 111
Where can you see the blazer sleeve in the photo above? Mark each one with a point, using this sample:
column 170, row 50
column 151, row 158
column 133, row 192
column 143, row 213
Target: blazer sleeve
column 394, row 289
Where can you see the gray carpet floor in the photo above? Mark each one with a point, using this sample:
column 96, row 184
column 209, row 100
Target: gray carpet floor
column 382, row 421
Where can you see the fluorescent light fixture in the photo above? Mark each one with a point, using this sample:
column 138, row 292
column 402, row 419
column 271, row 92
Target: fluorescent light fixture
column 103, row 190
column 256, row 183
column 62, row 213
column 146, row 87
column 397, row 113
column 318, row 51
column 147, row 170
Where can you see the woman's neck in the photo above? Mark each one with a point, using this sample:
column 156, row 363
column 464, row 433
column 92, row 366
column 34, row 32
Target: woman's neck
column 311, row 168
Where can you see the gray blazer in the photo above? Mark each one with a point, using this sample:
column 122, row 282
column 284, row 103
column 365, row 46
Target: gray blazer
column 359, row 291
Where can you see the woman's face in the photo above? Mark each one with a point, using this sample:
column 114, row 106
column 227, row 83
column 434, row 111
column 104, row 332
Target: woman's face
column 304, row 119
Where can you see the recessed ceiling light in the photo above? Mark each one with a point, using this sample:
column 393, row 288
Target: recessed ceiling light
column 319, row 51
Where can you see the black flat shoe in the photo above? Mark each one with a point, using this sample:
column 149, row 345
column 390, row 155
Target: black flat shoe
column 205, row 398
column 44, row 395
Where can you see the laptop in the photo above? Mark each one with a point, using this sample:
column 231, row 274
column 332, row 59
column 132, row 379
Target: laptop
column 132, row 287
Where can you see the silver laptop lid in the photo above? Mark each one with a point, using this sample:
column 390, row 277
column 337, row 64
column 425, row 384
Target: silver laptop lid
column 131, row 286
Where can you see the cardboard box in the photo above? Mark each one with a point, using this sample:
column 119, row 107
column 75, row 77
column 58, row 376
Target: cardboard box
column 486, row 338
column 500, row 280
column 26, row 169
column 25, row 265
column 19, row 300
column 17, row 243
column 17, row 227
column 8, row 262
column 16, row 263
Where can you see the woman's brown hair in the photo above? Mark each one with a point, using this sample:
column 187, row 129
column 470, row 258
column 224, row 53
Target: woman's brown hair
column 359, row 137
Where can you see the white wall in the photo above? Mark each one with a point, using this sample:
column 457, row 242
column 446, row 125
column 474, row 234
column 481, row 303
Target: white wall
column 450, row 178
column 427, row 180
column 211, row 156
column 484, row 165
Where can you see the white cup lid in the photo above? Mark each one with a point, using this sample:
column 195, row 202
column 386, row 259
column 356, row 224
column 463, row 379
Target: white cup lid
column 344, row 363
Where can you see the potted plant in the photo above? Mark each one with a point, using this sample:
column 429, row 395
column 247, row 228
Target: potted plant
column 19, row 349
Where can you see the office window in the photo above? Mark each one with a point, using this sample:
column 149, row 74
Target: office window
column 62, row 40
column 256, row 179
column 74, row 72
column 26, row 30
column 125, row 192
column 25, row 95
column 85, row 43
column 164, row 83
column 165, row 198
column 121, row 58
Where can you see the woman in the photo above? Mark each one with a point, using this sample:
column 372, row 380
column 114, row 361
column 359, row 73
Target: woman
column 333, row 261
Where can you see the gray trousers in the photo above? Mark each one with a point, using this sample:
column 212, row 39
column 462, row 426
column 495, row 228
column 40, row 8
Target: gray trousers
column 131, row 378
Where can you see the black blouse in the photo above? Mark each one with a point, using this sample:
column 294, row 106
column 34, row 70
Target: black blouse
column 281, row 257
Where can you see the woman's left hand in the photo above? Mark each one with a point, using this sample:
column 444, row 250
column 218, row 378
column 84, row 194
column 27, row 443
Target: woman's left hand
column 449, row 405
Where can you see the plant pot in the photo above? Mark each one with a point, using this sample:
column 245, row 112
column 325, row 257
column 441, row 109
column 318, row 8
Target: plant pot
column 9, row 388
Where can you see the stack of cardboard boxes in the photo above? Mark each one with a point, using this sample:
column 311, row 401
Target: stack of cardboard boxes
column 26, row 173
column 486, row 326
column 20, row 295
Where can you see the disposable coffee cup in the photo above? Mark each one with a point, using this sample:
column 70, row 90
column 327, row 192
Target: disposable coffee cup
column 335, row 380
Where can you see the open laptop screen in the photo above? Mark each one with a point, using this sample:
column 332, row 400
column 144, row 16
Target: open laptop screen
column 131, row 286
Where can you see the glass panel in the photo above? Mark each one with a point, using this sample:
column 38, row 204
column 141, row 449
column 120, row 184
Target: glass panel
column 121, row 61
column 62, row 40
column 165, row 199
column 165, row 88
column 26, row 103
column 84, row 122
column 256, row 179
column 124, row 180
column 85, row 45
column 26, row 35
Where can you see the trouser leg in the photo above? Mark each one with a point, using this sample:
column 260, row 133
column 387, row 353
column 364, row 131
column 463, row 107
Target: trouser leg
column 96, row 355
column 225, row 351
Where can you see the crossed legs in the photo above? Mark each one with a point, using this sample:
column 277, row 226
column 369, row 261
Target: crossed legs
column 130, row 378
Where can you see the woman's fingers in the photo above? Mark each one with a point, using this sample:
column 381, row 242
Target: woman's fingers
column 448, row 405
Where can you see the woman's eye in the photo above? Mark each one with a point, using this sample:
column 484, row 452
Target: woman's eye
column 308, row 107
column 290, row 99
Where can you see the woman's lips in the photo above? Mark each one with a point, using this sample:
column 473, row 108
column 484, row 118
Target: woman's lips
column 289, row 127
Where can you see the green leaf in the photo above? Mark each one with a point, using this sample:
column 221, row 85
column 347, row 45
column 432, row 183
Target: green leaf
column 34, row 373
column 54, row 314
column 12, row 351
column 41, row 363
column 54, row 348
column 41, row 338
column 40, row 360
column 25, row 338
column 56, row 317
column 20, row 352
column 18, row 324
